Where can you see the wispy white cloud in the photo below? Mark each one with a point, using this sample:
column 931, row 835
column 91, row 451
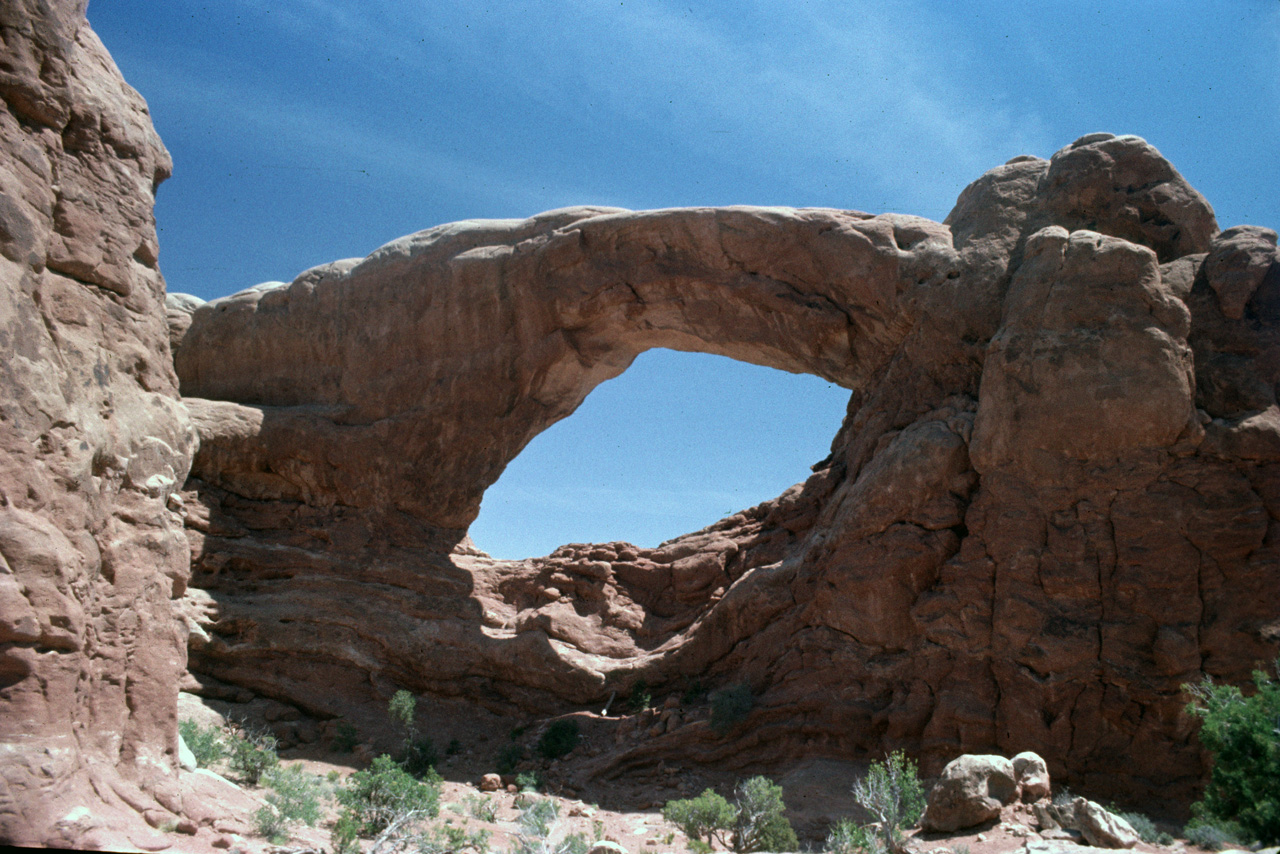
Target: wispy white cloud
column 285, row 133
column 801, row 90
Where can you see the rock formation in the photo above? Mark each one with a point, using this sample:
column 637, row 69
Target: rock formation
column 1055, row 496
column 93, row 443
column 1053, row 500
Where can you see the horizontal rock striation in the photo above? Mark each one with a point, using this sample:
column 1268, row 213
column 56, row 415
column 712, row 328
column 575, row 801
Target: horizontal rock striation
column 93, row 444
column 1054, row 499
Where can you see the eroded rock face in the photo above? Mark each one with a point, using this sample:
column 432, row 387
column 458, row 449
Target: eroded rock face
column 1053, row 500
column 93, row 443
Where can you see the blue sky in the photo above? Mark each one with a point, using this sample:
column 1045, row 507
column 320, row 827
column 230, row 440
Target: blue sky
column 308, row 130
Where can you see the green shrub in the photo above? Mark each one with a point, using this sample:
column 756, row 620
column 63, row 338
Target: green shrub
column 847, row 837
column 345, row 738
column 1210, row 837
column 454, row 748
column 1243, row 734
column 537, row 832
column 527, row 781
column 375, row 798
column 754, row 823
column 294, row 797
column 1143, row 826
column 205, row 743
column 730, row 706
column 449, row 840
column 892, row 793
column 417, row 752
column 346, row 835
column 561, row 737
column 705, row 819
column 253, row 754
column 761, row 825
column 482, row 808
column 402, row 708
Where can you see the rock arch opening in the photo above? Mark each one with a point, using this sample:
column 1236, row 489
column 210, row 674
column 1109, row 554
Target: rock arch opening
column 673, row 444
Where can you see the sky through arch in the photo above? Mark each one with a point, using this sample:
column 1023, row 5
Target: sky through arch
column 677, row 442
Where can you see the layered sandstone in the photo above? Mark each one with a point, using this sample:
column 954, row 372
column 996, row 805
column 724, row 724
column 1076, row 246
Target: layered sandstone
column 93, row 444
column 1053, row 500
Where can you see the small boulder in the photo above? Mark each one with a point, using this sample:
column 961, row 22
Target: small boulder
column 1239, row 259
column 1053, row 846
column 1103, row 829
column 490, row 783
column 186, row 758
column 1032, row 775
column 971, row 790
column 607, row 847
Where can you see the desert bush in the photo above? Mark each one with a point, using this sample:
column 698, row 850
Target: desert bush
column 730, row 706
column 891, row 792
column 418, row 753
column 561, row 737
column 537, row 833
column 253, row 754
column 761, row 825
column 846, row 836
column 205, row 743
column 449, row 840
column 402, row 707
column 1143, row 826
column 345, row 835
column 755, row 822
column 527, row 781
column 1243, row 734
column 482, row 808
column 294, row 798
column 705, row 819
column 375, row 798
column 1210, row 837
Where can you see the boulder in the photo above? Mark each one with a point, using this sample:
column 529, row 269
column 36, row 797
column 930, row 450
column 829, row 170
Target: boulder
column 1238, row 261
column 607, row 847
column 186, row 758
column 971, row 790
column 1032, row 775
column 1101, row 828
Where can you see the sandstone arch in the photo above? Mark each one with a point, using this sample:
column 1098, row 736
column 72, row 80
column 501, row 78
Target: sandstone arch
column 461, row 343
column 965, row 572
